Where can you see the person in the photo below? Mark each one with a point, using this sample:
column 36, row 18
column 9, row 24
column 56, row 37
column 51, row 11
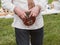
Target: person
column 25, row 34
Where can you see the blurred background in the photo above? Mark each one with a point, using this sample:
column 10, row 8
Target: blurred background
column 51, row 29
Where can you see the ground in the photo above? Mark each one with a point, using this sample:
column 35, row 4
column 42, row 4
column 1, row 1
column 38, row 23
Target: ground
column 51, row 31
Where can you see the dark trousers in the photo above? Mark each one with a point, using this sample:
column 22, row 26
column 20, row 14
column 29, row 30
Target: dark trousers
column 23, row 37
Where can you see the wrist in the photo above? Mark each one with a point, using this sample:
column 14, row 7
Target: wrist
column 17, row 11
column 38, row 7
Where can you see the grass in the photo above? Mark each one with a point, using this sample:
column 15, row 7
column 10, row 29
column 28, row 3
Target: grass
column 7, row 36
column 0, row 3
column 49, row 1
column 51, row 31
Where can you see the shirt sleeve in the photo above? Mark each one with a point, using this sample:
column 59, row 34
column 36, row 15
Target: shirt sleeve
column 42, row 3
column 7, row 4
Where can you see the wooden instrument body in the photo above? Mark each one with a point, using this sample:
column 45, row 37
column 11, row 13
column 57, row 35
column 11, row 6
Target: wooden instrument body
column 28, row 21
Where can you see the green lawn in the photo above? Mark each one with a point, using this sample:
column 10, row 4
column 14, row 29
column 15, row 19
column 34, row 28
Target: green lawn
column 6, row 32
column 49, row 1
column 0, row 3
column 51, row 31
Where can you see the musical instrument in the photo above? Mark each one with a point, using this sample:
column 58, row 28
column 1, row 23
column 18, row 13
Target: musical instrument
column 28, row 21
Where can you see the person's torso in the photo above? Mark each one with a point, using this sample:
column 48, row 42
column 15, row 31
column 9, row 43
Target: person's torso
column 23, row 4
column 18, row 22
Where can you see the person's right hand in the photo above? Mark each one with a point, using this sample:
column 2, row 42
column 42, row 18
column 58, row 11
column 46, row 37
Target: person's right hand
column 19, row 12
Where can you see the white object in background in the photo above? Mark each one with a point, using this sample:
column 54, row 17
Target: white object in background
column 50, row 11
column 2, row 16
column 8, row 16
column 56, row 5
column 48, row 6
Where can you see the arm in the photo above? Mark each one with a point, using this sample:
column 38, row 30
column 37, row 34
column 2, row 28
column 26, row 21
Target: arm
column 7, row 4
column 40, row 5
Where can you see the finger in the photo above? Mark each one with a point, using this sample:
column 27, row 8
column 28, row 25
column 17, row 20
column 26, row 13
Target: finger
column 34, row 15
column 23, row 16
column 30, row 14
column 30, row 9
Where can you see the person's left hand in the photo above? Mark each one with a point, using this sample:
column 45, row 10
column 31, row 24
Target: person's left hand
column 35, row 11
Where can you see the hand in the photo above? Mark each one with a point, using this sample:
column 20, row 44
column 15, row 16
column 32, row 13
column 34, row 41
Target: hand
column 35, row 11
column 19, row 12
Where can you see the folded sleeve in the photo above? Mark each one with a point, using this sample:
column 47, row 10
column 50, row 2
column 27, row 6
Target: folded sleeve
column 42, row 3
column 7, row 4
